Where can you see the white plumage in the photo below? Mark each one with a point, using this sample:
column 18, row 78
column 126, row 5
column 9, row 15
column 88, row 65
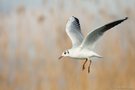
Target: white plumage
column 82, row 47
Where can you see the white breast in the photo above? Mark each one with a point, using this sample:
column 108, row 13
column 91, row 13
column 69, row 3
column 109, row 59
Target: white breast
column 81, row 54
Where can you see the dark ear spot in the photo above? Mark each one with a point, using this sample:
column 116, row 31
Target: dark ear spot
column 67, row 51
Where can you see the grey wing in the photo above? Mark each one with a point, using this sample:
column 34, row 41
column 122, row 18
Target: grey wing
column 73, row 30
column 93, row 36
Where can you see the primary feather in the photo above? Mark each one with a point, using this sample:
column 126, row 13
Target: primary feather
column 93, row 36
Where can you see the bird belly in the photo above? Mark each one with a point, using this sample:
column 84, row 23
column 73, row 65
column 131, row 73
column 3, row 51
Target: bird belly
column 82, row 54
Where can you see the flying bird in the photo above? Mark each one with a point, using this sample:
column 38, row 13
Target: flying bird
column 82, row 48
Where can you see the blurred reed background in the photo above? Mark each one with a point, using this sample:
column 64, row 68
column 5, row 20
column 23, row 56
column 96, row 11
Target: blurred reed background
column 32, row 37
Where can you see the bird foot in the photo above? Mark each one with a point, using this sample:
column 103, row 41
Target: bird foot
column 83, row 68
column 84, row 64
column 88, row 69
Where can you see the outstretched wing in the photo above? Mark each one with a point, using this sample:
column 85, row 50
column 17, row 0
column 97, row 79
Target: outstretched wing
column 93, row 36
column 73, row 30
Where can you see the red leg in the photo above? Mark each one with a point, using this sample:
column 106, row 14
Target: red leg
column 84, row 64
column 89, row 66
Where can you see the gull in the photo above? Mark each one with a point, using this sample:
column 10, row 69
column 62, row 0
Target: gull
column 82, row 48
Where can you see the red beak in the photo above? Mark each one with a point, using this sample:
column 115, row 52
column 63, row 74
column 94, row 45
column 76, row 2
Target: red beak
column 60, row 57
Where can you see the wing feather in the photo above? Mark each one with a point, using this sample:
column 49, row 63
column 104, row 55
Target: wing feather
column 73, row 30
column 93, row 36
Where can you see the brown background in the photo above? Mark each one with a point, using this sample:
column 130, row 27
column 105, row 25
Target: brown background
column 32, row 37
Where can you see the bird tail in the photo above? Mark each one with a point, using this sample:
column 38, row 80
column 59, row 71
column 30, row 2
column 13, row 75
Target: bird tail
column 98, row 56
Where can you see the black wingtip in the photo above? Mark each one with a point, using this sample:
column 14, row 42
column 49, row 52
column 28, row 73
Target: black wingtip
column 126, row 18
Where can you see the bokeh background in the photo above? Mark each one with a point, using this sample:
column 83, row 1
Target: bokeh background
column 32, row 37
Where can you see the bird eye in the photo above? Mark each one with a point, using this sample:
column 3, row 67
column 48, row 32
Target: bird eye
column 64, row 52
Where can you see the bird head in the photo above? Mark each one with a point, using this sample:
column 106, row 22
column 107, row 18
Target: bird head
column 64, row 54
